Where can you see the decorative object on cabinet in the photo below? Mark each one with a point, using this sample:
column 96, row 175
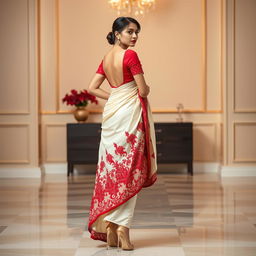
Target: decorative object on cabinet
column 80, row 100
column 81, row 114
column 180, row 108
column 174, row 142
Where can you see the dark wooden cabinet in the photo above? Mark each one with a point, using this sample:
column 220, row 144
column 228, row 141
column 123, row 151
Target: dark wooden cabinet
column 82, row 144
column 174, row 143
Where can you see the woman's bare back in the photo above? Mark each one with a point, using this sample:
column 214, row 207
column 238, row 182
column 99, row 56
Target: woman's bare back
column 120, row 67
column 113, row 66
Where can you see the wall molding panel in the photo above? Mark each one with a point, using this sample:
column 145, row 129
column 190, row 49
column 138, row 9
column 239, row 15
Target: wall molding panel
column 9, row 54
column 250, row 57
column 249, row 139
column 211, row 4
column 6, row 145
column 208, row 145
column 50, row 142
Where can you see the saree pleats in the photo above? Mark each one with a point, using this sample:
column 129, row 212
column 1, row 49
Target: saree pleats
column 127, row 156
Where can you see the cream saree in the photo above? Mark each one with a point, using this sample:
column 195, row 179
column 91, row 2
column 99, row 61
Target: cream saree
column 127, row 156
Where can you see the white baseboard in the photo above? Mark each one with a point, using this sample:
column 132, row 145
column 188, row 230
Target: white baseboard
column 238, row 171
column 206, row 167
column 198, row 167
column 57, row 168
column 61, row 168
column 20, row 172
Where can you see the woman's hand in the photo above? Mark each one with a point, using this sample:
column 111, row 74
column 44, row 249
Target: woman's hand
column 147, row 89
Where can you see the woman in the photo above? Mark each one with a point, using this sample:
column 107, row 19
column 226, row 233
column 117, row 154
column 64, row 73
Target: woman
column 127, row 161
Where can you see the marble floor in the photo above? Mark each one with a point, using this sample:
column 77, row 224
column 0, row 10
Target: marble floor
column 180, row 215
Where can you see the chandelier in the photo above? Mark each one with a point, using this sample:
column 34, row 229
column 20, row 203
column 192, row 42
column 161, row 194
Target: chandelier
column 136, row 7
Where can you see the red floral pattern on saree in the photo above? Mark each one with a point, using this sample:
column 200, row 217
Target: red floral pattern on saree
column 120, row 176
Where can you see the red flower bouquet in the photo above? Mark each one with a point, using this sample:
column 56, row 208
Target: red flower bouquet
column 79, row 99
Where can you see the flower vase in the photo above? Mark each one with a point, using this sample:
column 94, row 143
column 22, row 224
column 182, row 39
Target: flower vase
column 81, row 114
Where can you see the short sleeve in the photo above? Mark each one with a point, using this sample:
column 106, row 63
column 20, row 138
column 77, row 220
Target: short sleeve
column 134, row 63
column 100, row 69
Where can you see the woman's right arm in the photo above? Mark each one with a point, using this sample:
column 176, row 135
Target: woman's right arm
column 94, row 87
column 142, row 86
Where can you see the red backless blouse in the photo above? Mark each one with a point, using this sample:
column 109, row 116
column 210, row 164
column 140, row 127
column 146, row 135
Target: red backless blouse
column 131, row 67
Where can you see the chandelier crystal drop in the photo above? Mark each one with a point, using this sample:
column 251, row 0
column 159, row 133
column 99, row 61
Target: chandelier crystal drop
column 132, row 7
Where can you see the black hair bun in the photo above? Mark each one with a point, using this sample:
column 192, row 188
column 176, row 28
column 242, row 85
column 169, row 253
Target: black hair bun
column 111, row 38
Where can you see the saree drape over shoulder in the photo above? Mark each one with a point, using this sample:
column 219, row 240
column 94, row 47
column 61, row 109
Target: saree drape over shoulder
column 127, row 155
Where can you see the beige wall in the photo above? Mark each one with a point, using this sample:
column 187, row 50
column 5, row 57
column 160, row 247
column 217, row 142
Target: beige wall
column 181, row 47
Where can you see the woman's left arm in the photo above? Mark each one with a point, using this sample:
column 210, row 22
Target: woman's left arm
column 94, row 87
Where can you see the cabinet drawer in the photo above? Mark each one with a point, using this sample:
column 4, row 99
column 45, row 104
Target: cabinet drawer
column 172, row 138
column 86, row 156
column 175, row 147
column 81, row 142
column 167, row 157
column 84, row 130
column 173, row 132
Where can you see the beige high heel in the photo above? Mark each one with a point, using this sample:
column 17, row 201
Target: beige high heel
column 111, row 235
column 123, row 238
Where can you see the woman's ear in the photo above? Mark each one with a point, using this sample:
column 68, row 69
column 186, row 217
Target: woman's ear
column 116, row 34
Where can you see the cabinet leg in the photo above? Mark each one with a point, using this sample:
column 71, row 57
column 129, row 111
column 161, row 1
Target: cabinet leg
column 70, row 168
column 190, row 167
